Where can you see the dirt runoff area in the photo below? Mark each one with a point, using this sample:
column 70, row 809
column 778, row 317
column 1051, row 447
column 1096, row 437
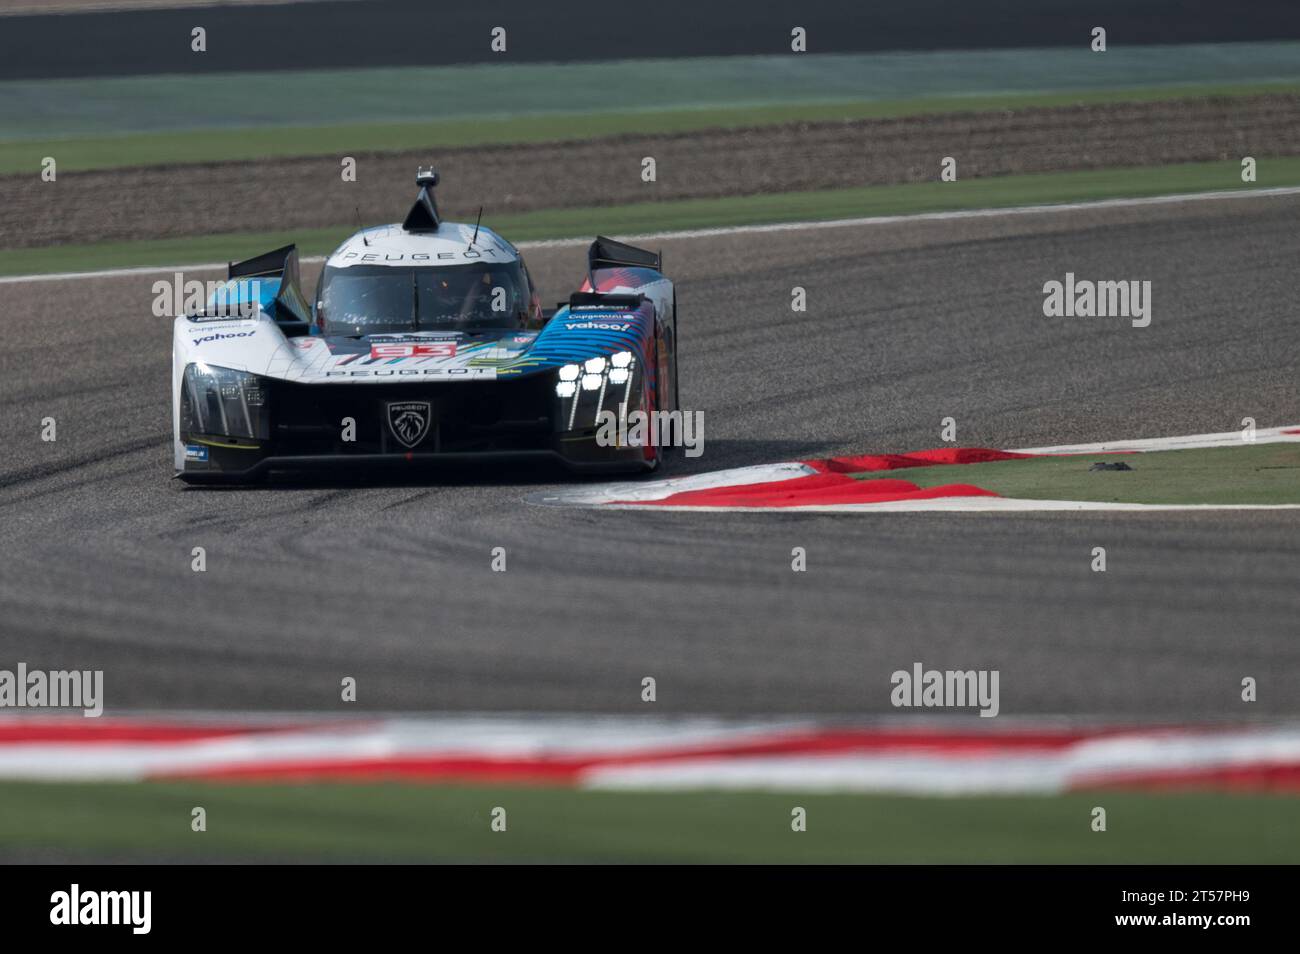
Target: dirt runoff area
column 283, row 194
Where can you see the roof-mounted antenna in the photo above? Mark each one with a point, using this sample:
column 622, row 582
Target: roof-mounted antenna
column 476, row 225
column 360, row 227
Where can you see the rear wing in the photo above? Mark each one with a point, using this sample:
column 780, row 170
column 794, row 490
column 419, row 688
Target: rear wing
column 607, row 253
column 272, row 264
column 292, row 312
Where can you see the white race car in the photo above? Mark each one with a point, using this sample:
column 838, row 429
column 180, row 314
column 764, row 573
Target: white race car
column 426, row 342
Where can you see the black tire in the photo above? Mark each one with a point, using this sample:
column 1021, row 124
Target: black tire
column 677, row 378
column 659, row 451
column 221, row 480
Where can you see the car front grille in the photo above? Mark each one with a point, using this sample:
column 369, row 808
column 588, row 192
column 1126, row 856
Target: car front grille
column 464, row 417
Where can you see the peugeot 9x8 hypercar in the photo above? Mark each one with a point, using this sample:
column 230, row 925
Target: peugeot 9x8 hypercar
column 426, row 342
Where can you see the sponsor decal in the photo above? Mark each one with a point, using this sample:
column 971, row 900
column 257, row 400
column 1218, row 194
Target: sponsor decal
column 597, row 326
column 417, row 336
column 409, row 421
column 409, row 372
column 196, row 452
column 482, row 250
column 223, row 337
column 424, row 349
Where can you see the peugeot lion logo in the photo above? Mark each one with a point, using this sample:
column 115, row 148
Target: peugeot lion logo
column 409, row 421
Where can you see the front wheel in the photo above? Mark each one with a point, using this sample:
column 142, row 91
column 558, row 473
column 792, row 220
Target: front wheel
column 677, row 378
column 222, row 480
column 649, row 401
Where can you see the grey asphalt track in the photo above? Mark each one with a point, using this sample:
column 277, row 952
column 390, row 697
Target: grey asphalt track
column 908, row 323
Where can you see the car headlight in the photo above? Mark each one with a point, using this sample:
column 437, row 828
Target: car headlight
column 223, row 403
column 597, row 384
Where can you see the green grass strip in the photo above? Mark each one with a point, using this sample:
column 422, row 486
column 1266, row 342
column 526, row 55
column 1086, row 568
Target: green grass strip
column 350, row 139
column 438, row 823
column 117, row 105
column 1248, row 474
column 995, row 192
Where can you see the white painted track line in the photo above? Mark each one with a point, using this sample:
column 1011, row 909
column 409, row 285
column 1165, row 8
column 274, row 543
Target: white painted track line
column 1263, row 435
column 747, row 229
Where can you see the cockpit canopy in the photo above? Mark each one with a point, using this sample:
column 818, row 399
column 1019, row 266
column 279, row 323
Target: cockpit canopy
column 384, row 299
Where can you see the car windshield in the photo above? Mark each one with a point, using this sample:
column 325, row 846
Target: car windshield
column 379, row 299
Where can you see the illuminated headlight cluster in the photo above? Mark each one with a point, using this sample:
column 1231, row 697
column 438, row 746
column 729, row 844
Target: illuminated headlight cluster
column 593, row 379
column 223, row 403
column 621, row 372
column 593, row 373
column 567, row 386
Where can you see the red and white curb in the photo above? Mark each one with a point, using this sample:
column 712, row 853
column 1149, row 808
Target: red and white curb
column 824, row 486
column 633, row 753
